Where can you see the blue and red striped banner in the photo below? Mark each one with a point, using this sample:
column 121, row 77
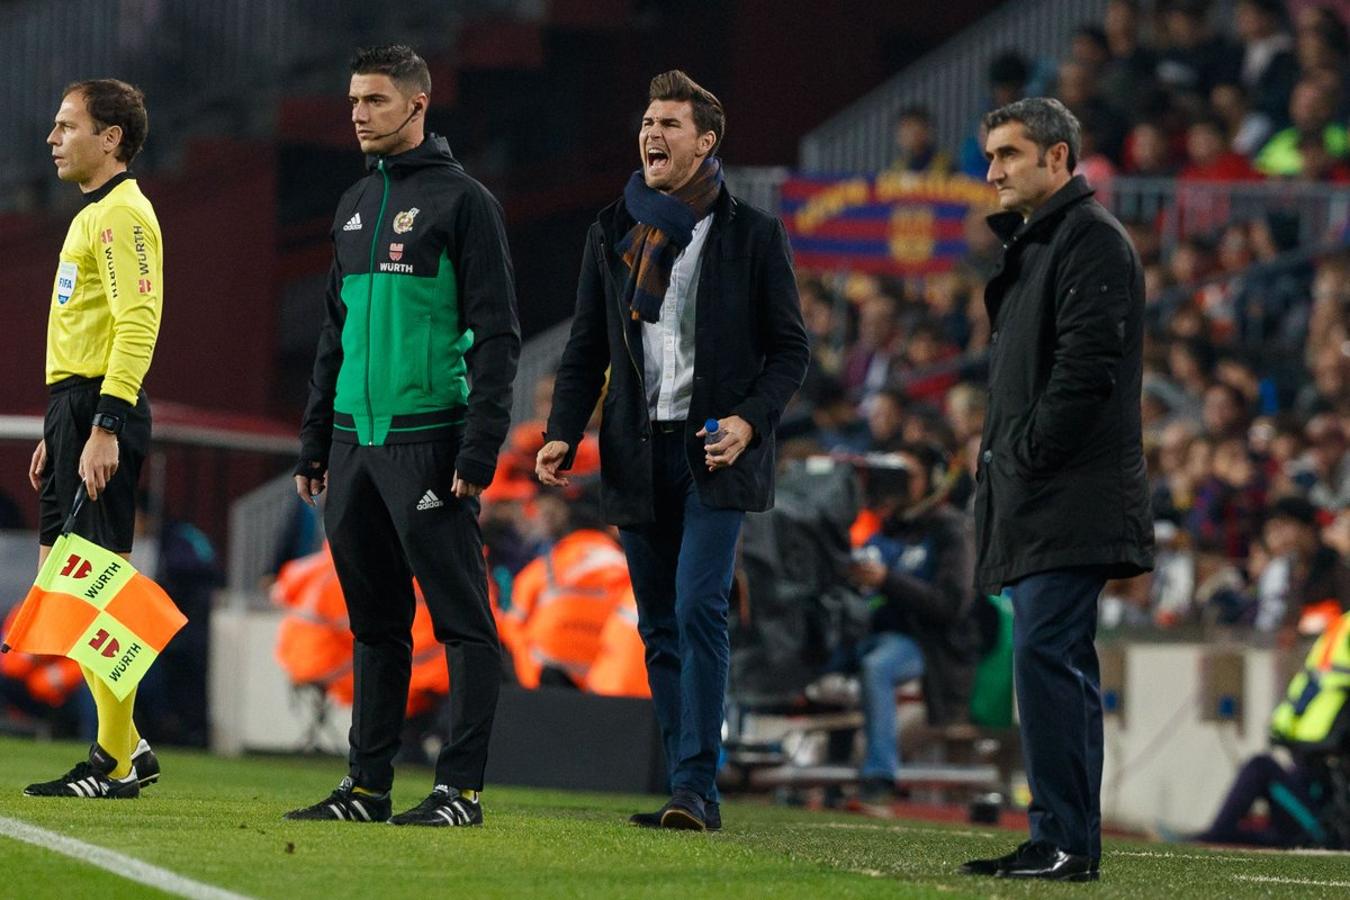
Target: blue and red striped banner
column 887, row 224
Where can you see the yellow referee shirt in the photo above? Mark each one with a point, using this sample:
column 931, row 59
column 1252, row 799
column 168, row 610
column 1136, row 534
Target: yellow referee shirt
column 109, row 287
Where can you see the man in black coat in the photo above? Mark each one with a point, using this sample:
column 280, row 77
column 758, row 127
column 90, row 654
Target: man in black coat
column 687, row 297
column 1061, row 502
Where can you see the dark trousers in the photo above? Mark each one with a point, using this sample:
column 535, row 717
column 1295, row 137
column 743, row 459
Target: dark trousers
column 1059, row 704
column 391, row 517
column 681, row 566
column 1292, row 819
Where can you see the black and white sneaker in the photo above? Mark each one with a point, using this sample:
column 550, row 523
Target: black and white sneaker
column 345, row 805
column 146, row 763
column 444, row 807
column 90, row 780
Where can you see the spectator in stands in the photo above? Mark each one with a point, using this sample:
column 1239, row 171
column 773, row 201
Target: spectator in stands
column 1008, row 75
column 1269, row 68
column 1311, row 111
column 918, row 568
column 1302, row 571
column 1326, row 392
column 1224, row 413
column 1128, row 77
column 1209, row 157
column 1246, row 129
column 834, row 418
column 1090, row 47
column 1226, row 512
column 1321, row 39
column 917, row 151
column 1328, row 460
column 885, row 421
column 1318, row 164
column 1194, row 59
column 1148, row 151
column 869, row 364
column 1076, row 88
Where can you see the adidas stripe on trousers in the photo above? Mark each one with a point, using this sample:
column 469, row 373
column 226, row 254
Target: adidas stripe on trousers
column 390, row 517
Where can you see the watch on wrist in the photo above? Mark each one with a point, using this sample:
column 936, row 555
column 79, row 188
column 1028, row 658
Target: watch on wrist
column 108, row 422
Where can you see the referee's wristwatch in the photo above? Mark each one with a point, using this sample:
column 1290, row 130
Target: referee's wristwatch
column 108, row 422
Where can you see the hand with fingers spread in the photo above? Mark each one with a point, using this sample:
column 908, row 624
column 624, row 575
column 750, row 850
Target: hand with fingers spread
column 546, row 463
column 98, row 461
column 736, row 436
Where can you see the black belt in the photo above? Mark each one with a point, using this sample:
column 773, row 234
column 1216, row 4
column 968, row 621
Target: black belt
column 671, row 426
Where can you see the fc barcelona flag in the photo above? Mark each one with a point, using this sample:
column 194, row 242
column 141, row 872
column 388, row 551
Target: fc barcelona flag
column 895, row 223
column 92, row 605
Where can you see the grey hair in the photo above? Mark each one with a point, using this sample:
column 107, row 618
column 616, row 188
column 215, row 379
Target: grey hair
column 1046, row 120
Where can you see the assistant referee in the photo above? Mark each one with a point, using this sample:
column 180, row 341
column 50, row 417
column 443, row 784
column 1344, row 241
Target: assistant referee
column 101, row 333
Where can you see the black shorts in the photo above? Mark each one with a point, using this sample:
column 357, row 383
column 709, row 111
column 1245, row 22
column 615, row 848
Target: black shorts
column 111, row 521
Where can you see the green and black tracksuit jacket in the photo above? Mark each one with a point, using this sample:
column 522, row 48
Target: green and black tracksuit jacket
column 420, row 304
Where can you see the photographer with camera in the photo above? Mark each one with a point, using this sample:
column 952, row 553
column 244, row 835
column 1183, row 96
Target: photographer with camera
column 918, row 569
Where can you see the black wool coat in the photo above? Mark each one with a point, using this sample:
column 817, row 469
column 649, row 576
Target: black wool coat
column 1062, row 481
column 750, row 356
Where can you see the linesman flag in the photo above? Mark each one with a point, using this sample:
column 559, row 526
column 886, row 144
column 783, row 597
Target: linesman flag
column 92, row 605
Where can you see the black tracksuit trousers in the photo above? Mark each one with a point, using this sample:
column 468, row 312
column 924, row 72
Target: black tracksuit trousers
column 390, row 517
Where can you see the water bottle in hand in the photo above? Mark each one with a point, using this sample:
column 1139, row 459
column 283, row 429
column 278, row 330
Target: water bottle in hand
column 712, row 432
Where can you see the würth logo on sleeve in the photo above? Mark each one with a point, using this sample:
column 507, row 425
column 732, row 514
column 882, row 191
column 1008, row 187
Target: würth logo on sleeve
column 144, row 285
column 105, row 236
column 395, row 252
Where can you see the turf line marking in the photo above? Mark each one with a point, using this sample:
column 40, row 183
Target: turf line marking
column 1203, row 857
column 123, row 866
column 1275, row 879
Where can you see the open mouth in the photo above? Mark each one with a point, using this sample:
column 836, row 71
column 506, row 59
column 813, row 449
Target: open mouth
column 657, row 160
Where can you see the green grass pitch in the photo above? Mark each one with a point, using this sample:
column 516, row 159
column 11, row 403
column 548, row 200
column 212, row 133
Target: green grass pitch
column 219, row 822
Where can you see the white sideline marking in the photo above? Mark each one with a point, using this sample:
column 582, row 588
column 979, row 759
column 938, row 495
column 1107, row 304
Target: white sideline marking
column 1275, row 879
column 123, row 866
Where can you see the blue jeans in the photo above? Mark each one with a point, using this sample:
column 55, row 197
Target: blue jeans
column 887, row 660
column 1059, row 704
column 681, row 565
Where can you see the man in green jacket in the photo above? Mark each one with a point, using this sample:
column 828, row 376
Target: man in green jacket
column 421, row 299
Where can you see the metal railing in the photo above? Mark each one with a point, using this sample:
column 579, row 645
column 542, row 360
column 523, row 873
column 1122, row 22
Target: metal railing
column 950, row 81
column 1315, row 212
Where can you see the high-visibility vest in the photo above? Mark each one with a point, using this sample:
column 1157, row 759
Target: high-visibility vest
column 1317, row 695
column 48, row 679
column 314, row 642
column 620, row 667
column 560, row 603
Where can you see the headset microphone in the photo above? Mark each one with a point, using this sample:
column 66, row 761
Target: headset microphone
column 417, row 108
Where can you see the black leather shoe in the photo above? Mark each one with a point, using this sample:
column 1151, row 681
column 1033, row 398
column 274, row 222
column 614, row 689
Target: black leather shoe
column 712, row 815
column 1048, row 862
column 992, row 867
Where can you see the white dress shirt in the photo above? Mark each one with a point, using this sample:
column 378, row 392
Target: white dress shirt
column 668, row 344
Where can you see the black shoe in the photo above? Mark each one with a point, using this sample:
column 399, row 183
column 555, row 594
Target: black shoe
column 1048, row 862
column 993, row 866
column 685, row 812
column 90, row 780
column 146, row 763
column 682, row 808
column 444, row 807
column 345, row 805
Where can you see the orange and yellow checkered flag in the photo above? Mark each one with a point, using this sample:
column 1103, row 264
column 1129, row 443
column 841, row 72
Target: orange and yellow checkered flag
column 92, row 605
